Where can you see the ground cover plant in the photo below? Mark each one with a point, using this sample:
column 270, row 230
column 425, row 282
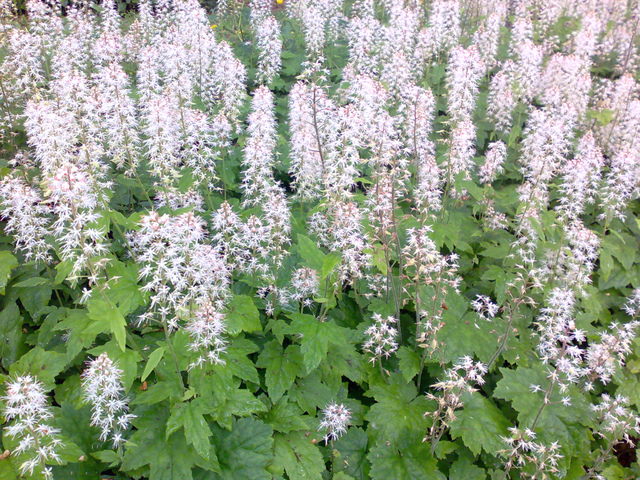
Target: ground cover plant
column 319, row 239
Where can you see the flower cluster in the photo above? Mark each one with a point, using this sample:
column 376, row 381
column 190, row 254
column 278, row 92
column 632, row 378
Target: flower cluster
column 179, row 268
column 484, row 307
column 102, row 388
column 207, row 327
column 524, row 450
column 26, row 403
column 335, row 420
column 381, row 338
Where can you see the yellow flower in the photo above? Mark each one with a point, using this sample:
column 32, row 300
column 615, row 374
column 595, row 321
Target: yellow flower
column 279, row 2
column 214, row 26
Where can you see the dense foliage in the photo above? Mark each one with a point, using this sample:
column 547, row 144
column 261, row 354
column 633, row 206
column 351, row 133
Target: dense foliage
column 320, row 239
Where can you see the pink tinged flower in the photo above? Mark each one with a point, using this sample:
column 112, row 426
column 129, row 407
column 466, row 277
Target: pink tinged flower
column 461, row 151
column 484, row 307
column 304, row 285
column 27, row 218
column 381, row 338
column 464, row 72
column 313, row 124
column 502, row 99
column 335, row 420
column 259, row 152
column 570, row 74
column 26, row 404
column 487, row 37
column 495, row 156
column 527, row 67
column 621, row 184
column 581, row 177
column 207, row 328
column 314, row 30
column 444, row 27
column 270, row 48
column 103, row 389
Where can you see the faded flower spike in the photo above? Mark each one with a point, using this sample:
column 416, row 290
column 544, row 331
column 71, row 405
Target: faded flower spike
column 27, row 403
column 336, row 418
column 103, row 389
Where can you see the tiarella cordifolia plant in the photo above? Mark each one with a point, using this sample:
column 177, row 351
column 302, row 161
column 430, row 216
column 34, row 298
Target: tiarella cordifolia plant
column 409, row 229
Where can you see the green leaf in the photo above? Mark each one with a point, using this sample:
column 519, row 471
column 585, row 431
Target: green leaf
column 398, row 409
column 167, row 459
column 622, row 247
column 70, row 391
column 107, row 456
column 310, row 253
column 110, row 319
column 7, row 263
column 241, row 403
column 628, row 386
column 352, row 448
column 285, row 417
column 245, row 451
column 316, row 336
column 463, row 469
column 12, row 342
column 80, row 329
column 409, row 457
column 342, row 476
column 331, row 261
column 311, row 393
column 190, row 416
column 46, row 331
column 153, row 361
column 44, row 365
column 32, row 282
column 74, row 425
column 242, row 316
column 123, row 288
column 158, row 392
column 282, row 367
column 496, row 251
column 300, row 458
column 409, row 362
column 35, row 299
column 497, row 274
column 480, row 424
column 344, row 360
column 9, row 469
column 130, row 222
column 603, row 116
column 63, row 270
column 476, row 191
column 516, row 130
column 465, row 335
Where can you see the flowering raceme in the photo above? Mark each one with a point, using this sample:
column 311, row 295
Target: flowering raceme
column 26, row 403
column 27, row 218
column 103, row 389
column 381, row 338
column 335, row 420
